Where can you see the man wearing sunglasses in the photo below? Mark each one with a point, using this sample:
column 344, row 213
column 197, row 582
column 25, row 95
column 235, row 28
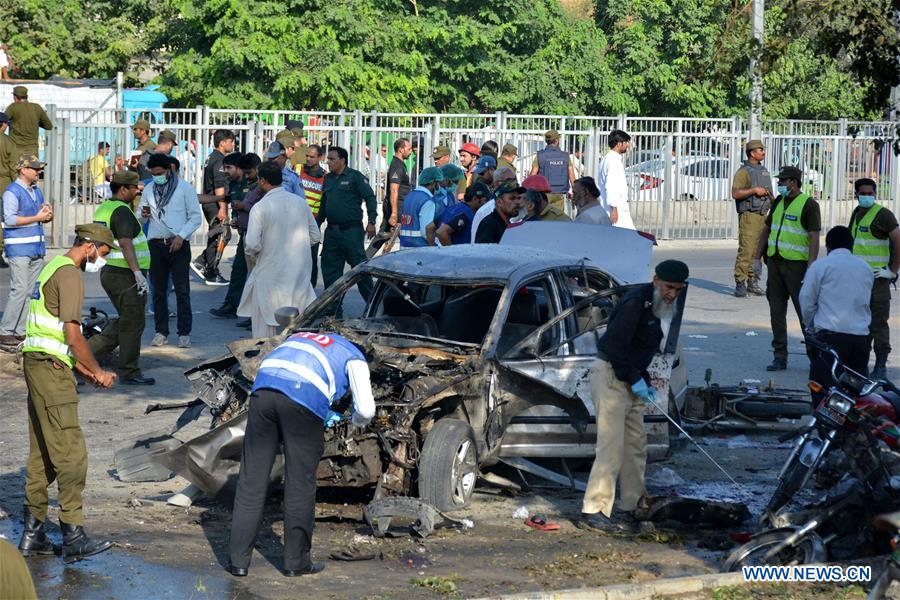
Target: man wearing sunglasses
column 24, row 214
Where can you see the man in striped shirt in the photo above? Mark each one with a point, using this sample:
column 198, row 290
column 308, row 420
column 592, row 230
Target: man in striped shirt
column 312, row 178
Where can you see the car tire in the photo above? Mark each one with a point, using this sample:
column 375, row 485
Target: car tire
column 448, row 465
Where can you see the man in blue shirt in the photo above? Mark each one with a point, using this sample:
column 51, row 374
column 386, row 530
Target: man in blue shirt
column 289, row 178
column 24, row 213
column 417, row 222
column 456, row 224
column 290, row 401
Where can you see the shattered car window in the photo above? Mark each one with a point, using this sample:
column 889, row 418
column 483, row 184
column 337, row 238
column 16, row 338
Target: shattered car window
column 459, row 313
column 589, row 323
column 532, row 306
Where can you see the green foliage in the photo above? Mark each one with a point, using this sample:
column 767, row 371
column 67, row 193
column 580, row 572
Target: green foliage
column 82, row 38
column 822, row 58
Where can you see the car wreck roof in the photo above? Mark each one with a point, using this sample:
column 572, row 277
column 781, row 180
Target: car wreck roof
column 468, row 261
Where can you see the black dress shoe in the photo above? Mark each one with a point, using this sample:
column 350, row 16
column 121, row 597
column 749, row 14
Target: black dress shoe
column 139, row 381
column 226, row 311
column 77, row 545
column 243, row 323
column 312, row 569
column 237, row 571
column 600, row 522
column 779, row 364
column 34, row 539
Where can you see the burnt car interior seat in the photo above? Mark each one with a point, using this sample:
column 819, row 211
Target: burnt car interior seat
column 523, row 318
column 468, row 313
column 405, row 316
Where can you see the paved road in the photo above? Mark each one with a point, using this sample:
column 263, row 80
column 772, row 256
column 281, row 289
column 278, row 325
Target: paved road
column 732, row 335
column 178, row 553
column 727, row 334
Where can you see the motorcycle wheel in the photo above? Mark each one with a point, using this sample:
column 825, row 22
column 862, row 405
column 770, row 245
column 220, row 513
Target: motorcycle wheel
column 789, row 485
column 808, row 550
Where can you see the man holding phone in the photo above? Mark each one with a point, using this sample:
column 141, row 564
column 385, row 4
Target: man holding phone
column 171, row 207
column 24, row 214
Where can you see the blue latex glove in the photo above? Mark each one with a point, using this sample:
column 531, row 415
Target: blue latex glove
column 640, row 389
column 332, row 419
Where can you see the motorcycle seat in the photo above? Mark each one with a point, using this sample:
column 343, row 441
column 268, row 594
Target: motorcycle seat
column 888, row 522
column 894, row 399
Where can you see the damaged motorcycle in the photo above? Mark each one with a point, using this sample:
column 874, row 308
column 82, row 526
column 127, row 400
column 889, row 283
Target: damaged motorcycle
column 850, row 448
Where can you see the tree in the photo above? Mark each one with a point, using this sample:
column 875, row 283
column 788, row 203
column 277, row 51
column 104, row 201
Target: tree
column 82, row 38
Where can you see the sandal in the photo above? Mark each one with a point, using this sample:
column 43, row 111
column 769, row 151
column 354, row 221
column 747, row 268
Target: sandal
column 540, row 523
column 350, row 555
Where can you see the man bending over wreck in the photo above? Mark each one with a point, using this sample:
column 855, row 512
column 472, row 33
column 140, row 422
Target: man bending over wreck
column 620, row 386
column 290, row 400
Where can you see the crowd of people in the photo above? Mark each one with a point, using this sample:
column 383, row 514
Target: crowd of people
column 280, row 203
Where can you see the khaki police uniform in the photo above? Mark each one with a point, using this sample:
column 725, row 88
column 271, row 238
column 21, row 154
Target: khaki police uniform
column 119, row 283
column 8, row 173
column 15, row 578
column 871, row 229
column 790, row 221
column 25, row 118
column 57, row 449
column 751, row 216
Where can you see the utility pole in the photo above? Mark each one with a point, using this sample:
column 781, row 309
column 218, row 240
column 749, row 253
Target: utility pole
column 757, row 23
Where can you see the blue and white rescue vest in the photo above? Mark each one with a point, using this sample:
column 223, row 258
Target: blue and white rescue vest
column 410, row 227
column 309, row 368
column 26, row 240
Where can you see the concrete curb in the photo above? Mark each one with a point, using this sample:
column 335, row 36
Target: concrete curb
column 637, row 591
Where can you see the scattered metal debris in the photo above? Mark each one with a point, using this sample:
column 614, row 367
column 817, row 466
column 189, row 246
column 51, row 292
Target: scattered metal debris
column 749, row 405
column 390, row 517
column 692, row 511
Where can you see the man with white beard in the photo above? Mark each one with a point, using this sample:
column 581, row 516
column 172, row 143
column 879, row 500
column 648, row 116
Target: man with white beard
column 620, row 386
column 277, row 246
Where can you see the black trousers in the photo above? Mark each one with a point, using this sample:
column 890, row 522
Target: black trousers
column 164, row 263
column 207, row 259
column 276, row 420
column 314, row 277
column 783, row 284
column 854, row 353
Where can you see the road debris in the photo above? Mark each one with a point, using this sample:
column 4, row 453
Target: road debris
column 520, row 513
column 665, row 477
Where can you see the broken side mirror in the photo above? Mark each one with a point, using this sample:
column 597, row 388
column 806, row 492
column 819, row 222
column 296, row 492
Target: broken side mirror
column 286, row 315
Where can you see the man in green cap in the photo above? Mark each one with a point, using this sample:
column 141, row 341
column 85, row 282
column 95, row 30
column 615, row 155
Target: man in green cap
column 8, row 172
column 418, row 222
column 441, row 156
column 54, row 347
column 344, row 192
column 508, row 156
column 25, row 118
column 752, row 193
column 620, row 387
column 145, row 147
column 790, row 241
column 123, row 279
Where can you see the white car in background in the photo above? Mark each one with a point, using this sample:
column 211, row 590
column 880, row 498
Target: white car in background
column 696, row 177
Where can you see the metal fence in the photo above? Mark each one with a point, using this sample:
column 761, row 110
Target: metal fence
column 679, row 169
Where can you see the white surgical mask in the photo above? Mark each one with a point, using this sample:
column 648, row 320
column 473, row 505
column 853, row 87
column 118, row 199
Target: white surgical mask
column 866, row 201
column 160, row 179
column 94, row 267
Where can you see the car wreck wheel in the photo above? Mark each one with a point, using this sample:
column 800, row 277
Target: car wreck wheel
column 448, row 465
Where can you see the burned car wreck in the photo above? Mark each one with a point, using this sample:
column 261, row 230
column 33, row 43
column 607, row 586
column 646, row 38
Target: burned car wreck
column 476, row 354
